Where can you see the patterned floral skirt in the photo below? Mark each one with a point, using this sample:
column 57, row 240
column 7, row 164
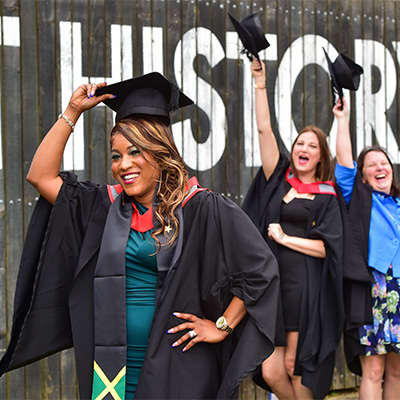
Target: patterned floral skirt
column 383, row 335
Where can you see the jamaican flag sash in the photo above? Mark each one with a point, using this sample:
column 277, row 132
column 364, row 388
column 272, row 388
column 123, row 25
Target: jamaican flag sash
column 109, row 374
column 110, row 305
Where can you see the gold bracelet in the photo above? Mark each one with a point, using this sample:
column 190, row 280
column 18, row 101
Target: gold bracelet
column 68, row 121
column 258, row 86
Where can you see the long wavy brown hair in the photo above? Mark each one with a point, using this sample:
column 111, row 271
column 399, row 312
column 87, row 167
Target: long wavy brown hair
column 325, row 168
column 152, row 135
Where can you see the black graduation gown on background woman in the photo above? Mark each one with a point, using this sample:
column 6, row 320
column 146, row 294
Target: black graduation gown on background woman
column 357, row 275
column 322, row 313
column 219, row 253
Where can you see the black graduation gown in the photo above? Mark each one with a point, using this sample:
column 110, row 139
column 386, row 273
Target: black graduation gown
column 219, row 254
column 322, row 313
column 356, row 273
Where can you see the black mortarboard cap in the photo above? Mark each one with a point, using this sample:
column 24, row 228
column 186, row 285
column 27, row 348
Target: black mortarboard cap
column 345, row 74
column 150, row 94
column 251, row 34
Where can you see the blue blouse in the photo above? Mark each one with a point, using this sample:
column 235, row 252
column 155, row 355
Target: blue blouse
column 384, row 228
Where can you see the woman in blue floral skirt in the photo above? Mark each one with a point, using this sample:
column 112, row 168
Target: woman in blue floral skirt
column 371, row 208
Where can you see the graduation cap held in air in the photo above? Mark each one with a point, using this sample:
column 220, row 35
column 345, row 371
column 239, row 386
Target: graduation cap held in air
column 150, row 94
column 345, row 74
column 251, row 34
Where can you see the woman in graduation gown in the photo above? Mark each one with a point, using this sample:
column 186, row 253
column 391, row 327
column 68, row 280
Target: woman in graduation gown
column 294, row 205
column 371, row 207
column 165, row 289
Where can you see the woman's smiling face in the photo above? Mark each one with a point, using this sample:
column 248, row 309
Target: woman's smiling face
column 377, row 171
column 306, row 154
column 134, row 170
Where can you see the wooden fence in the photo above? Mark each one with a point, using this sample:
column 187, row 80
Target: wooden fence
column 49, row 47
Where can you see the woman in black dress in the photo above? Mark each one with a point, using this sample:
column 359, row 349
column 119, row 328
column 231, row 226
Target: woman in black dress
column 294, row 204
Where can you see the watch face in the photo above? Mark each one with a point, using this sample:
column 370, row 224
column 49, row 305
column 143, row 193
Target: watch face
column 221, row 322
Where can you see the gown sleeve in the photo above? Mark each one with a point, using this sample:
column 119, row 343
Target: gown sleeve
column 357, row 276
column 262, row 193
column 41, row 319
column 246, row 268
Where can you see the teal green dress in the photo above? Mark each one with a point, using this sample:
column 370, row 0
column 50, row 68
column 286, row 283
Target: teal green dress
column 141, row 279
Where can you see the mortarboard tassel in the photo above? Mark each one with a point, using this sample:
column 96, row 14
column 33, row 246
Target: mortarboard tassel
column 174, row 100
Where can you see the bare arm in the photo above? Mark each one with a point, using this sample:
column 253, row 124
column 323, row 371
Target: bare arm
column 344, row 155
column 235, row 312
column 44, row 170
column 310, row 247
column 268, row 144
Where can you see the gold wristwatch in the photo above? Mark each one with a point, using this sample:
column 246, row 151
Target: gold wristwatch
column 223, row 325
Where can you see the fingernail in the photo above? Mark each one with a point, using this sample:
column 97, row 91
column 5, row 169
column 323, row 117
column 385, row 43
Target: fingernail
column 170, row 330
column 174, row 344
column 175, row 313
column 184, row 349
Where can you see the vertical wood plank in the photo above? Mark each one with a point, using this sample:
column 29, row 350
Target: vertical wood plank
column 310, row 71
column 323, row 94
column 393, row 18
column 368, row 28
column 11, row 131
column 390, row 33
column 4, row 304
column 224, row 176
column 68, row 379
column 48, row 49
column 191, row 17
column 297, row 83
column 233, row 99
column 85, row 14
column 4, row 329
column 359, row 16
column 247, row 389
column 30, row 135
column 98, row 49
column 283, row 17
